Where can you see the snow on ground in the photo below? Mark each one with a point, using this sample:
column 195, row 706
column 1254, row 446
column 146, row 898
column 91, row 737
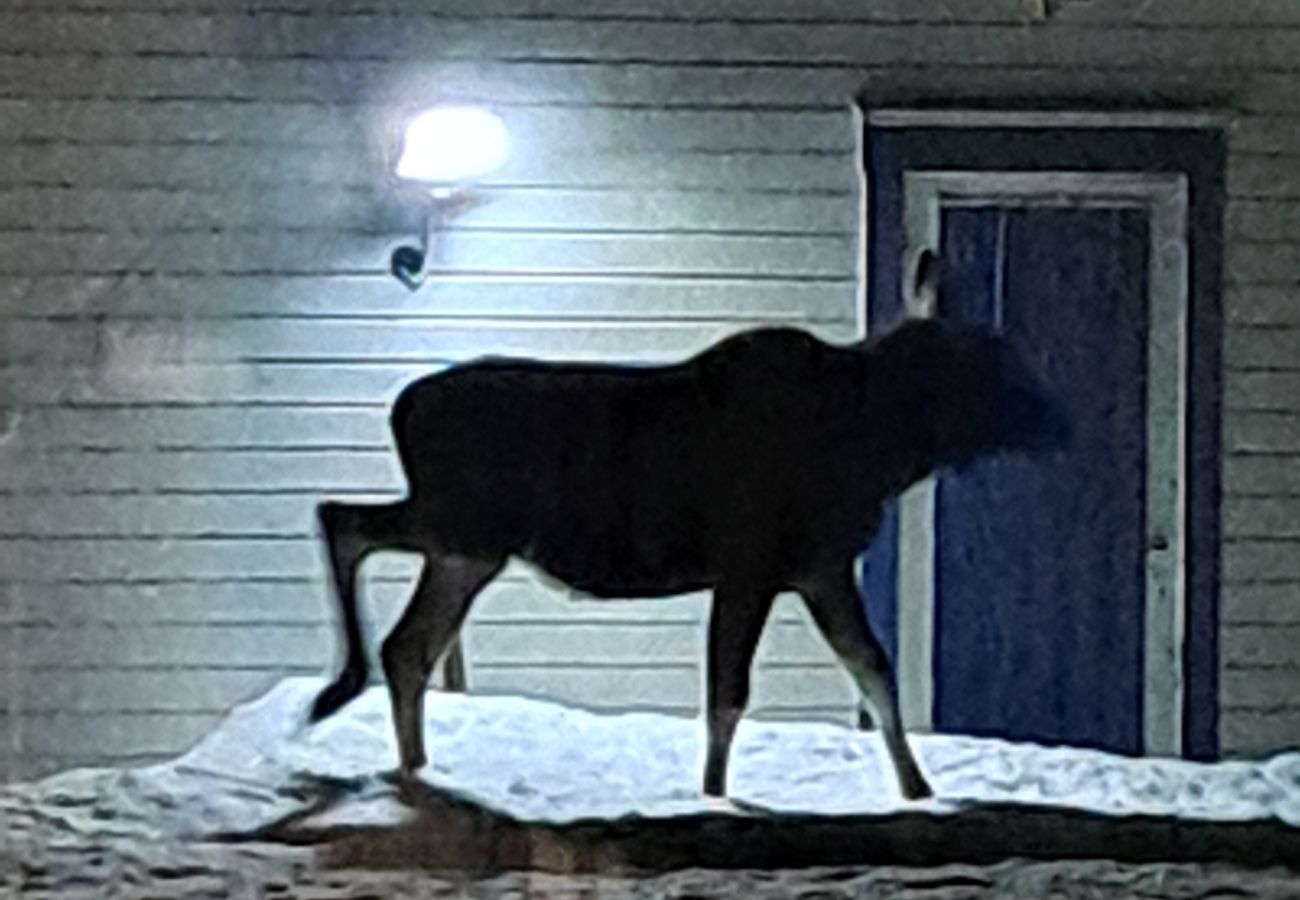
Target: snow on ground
column 266, row 806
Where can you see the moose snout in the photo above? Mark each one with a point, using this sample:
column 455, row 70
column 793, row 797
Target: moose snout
column 1036, row 421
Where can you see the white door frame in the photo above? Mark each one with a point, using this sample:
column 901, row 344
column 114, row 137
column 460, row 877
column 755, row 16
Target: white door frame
column 1164, row 196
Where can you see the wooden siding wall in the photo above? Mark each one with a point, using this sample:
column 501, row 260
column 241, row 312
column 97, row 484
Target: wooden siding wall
column 198, row 334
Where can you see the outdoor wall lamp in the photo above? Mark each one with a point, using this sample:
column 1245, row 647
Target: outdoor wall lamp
column 443, row 150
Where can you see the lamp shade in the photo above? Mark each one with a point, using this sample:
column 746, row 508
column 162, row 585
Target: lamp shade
column 449, row 144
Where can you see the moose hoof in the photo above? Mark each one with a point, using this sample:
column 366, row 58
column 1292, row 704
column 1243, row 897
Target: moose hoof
column 400, row 778
column 338, row 694
column 917, row 789
column 411, row 766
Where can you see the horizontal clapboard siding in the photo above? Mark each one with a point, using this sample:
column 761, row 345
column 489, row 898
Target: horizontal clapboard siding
column 514, row 212
column 311, row 125
column 1189, row 13
column 198, row 336
column 386, row 36
column 195, row 167
column 1261, row 507
column 198, row 252
column 575, row 299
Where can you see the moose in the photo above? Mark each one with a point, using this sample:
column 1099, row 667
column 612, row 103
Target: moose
column 761, row 465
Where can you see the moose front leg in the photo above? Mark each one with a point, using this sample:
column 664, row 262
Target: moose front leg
column 837, row 609
column 735, row 625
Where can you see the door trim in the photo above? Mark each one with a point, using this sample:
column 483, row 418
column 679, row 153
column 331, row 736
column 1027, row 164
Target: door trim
column 1165, row 197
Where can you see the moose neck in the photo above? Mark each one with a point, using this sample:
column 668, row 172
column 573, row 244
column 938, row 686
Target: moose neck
column 897, row 432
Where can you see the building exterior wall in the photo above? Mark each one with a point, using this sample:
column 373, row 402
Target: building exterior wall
column 198, row 334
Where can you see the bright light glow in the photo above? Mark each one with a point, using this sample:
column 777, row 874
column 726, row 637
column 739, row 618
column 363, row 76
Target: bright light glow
column 449, row 144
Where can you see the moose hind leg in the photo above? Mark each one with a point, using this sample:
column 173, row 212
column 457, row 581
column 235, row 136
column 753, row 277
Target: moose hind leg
column 454, row 678
column 352, row 532
column 838, row 611
column 735, row 625
column 441, row 601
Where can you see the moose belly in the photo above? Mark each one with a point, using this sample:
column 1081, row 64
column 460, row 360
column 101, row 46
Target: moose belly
column 619, row 565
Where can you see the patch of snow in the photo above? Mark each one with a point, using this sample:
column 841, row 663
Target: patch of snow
column 543, row 762
column 538, row 764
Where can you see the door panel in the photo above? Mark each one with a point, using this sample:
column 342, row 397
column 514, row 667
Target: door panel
column 1039, row 568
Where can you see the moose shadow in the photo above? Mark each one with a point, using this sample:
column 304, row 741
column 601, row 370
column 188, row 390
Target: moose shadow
column 441, row 828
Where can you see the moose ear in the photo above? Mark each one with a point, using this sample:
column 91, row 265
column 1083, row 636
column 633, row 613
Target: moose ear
column 923, row 299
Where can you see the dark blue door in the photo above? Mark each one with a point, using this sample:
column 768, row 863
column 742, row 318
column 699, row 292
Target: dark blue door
column 1039, row 564
column 1038, row 571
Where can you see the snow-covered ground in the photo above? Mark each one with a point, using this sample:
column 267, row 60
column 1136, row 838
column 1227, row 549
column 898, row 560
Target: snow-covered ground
column 529, row 797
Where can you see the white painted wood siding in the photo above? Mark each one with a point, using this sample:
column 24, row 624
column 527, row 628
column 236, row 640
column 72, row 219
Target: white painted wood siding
column 198, row 335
